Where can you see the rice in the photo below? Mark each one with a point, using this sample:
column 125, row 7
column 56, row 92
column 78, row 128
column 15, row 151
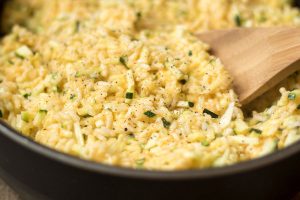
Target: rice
column 127, row 83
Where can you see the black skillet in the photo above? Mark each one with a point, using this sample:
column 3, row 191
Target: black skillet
column 38, row 173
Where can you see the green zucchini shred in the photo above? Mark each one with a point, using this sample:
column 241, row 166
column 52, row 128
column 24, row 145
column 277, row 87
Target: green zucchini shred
column 205, row 143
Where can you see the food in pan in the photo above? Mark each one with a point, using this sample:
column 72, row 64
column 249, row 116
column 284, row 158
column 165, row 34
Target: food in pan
column 127, row 83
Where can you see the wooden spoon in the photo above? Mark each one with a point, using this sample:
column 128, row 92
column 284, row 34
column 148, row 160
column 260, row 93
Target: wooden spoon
column 256, row 58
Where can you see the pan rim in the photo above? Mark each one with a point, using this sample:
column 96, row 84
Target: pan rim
column 100, row 168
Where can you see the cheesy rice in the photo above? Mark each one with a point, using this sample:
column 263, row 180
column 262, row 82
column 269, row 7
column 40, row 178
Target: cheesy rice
column 126, row 82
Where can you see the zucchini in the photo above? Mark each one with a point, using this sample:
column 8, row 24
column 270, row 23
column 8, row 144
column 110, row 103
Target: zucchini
column 23, row 52
column 25, row 116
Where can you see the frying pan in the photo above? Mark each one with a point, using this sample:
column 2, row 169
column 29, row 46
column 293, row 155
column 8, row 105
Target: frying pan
column 39, row 173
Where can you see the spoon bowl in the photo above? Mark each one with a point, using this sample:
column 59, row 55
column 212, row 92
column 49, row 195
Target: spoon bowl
column 257, row 58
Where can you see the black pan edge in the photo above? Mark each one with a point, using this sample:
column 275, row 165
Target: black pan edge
column 250, row 165
column 91, row 166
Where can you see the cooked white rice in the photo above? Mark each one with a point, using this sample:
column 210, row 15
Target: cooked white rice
column 126, row 83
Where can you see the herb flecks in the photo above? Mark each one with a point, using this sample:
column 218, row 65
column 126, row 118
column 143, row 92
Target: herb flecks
column 129, row 95
column 166, row 123
column 182, row 81
column 292, row 96
column 238, row 20
column 27, row 95
column 77, row 74
column 212, row 114
column 77, row 26
column 191, row 104
column 87, row 116
column 138, row 15
column 123, row 60
column 58, row 89
column 150, row 114
column 257, row 131
column 72, row 96
column 131, row 135
column 43, row 111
